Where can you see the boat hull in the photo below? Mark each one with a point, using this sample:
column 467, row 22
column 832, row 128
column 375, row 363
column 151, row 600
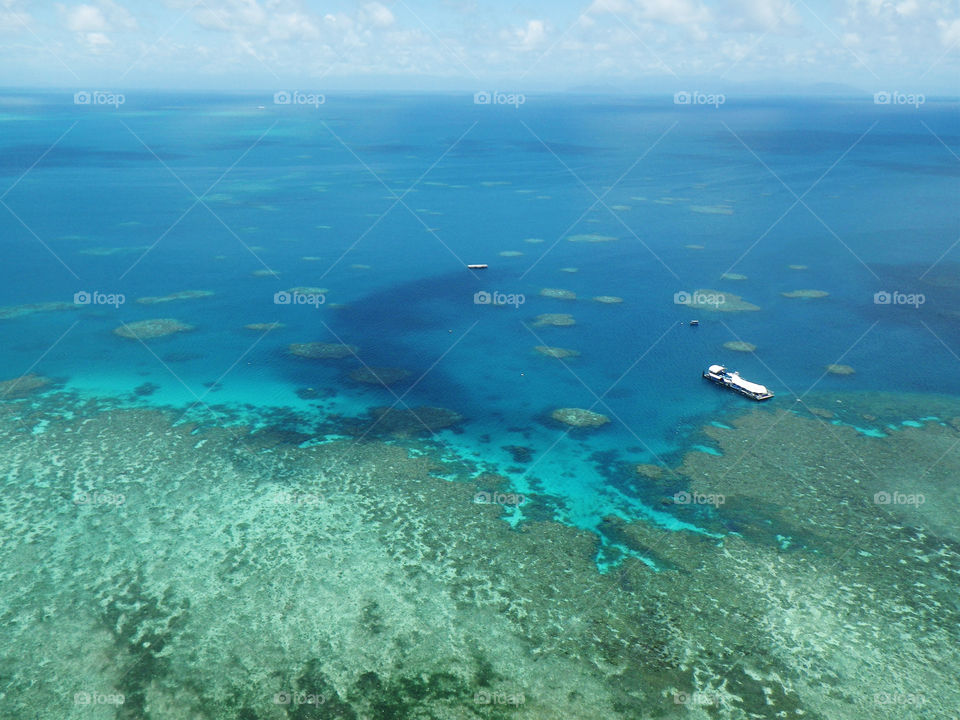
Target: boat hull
column 724, row 382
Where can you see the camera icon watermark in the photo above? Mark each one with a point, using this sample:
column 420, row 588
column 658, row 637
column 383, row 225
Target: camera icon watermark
column 97, row 698
column 295, row 97
column 98, row 97
column 885, row 97
column 484, row 97
column 698, row 299
column 99, row 498
column 687, row 498
column 297, row 498
column 498, row 498
column 498, row 697
column 899, row 498
column 898, row 298
column 498, row 298
column 284, row 297
column 299, row 698
column 899, row 698
column 696, row 97
column 82, row 297
column 697, row 697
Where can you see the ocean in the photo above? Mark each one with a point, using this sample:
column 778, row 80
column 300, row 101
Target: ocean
column 819, row 234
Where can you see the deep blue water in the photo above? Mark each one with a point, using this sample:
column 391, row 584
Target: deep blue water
column 878, row 187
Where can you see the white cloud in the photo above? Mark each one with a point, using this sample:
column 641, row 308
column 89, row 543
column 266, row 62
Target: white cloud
column 232, row 15
column 692, row 17
column 300, row 39
column 674, row 12
column 97, row 40
column 291, row 26
column 760, row 15
column 86, row 19
column 608, row 6
column 376, row 14
column 670, row 12
column 93, row 24
column 532, row 35
column 118, row 17
column 907, row 7
column 949, row 31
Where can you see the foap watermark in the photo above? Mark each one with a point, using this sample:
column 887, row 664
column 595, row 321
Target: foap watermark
column 498, row 498
column 697, row 298
column 285, row 297
column 498, row 298
column 896, row 97
column 699, row 98
column 97, row 698
column 899, row 498
column 698, row 698
column 82, row 297
column 299, row 698
column 484, row 97
column 898, row 298
column 899, row 698
column 297, row 498
column 695, row 498
column 295, row 97
column 99, row 498
column 498, row 697
column 98, row 97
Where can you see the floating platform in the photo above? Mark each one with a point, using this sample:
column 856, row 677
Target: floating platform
column 719, row 375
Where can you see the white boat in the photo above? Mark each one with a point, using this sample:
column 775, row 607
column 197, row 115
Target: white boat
column 719, row 375
column 477, row 266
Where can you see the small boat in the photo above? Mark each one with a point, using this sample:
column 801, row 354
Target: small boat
column 694, row 323
column 719, row 375
column 477, row 266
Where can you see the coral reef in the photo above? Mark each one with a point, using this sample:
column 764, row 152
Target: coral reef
column 411, row 422
column 712, row 209
column 837, row 369
column 579, row 418
column 322, row 350
column 218, row 573
column 14, row 311
column 716, row 301
column 22, row 386
column 182, row 295
column 558, row 294
column 805, row 294
column 556, row 352
column 554, row 319
column 590, row 238
column 149, row 329
column 739, row 346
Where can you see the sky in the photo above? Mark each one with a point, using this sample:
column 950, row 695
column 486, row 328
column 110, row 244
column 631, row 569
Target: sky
column 908, row 46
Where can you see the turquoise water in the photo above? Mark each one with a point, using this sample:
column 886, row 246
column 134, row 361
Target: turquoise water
column 282, row 184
